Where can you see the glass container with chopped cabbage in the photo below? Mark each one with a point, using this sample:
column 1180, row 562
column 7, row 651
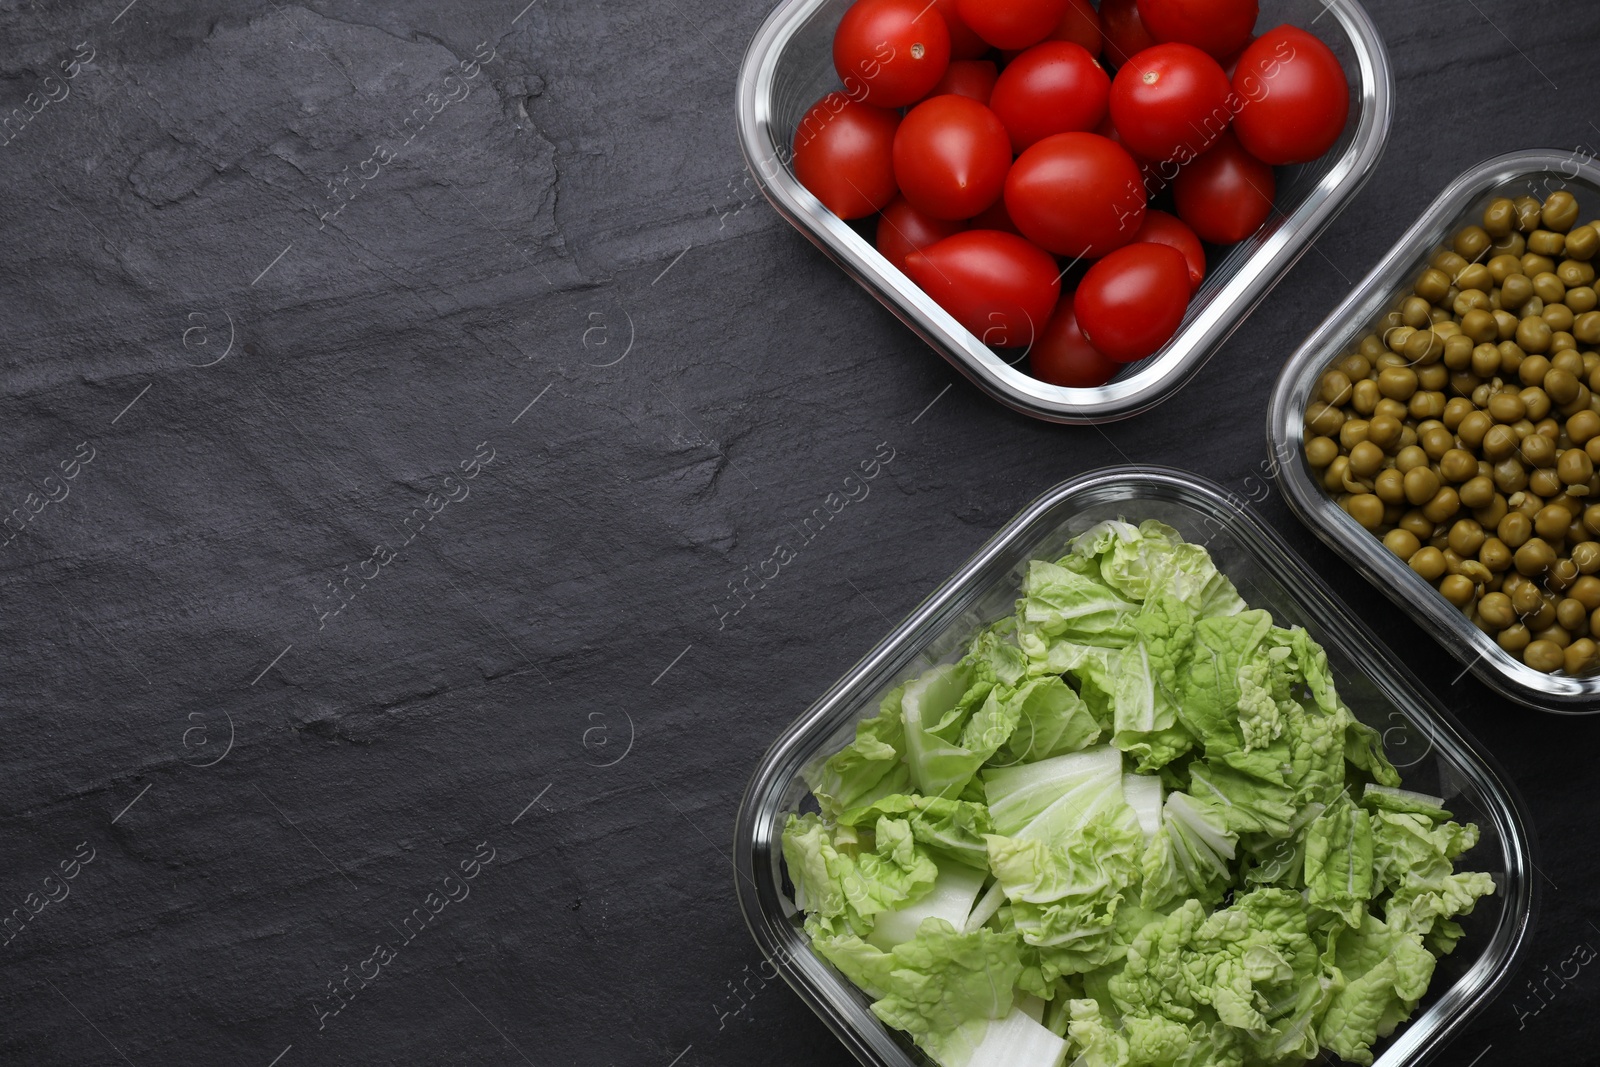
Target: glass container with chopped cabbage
column 1134, row 826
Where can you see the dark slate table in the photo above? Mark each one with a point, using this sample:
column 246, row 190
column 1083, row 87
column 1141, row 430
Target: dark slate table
column 413, row 458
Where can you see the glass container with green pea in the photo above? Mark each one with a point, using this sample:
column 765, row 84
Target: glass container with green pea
column 1463, row 432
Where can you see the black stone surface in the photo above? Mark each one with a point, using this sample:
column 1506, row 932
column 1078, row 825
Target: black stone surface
column 562, row 269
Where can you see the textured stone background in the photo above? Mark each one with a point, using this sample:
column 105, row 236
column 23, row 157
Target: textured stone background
column 561, row 270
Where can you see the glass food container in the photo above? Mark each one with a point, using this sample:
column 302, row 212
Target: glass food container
column 1536, row 173
column 1433, row 754
column 789, row 66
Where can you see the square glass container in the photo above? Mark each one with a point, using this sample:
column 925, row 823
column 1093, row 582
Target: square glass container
column 789, row 66
column 1536, row 173
column 1432, row 752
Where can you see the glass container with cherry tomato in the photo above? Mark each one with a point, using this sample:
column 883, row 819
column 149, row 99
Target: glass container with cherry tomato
column 1001, row 153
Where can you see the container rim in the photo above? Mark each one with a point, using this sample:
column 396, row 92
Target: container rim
column 1204, row 330
column 755, row 856
column 1496, row 668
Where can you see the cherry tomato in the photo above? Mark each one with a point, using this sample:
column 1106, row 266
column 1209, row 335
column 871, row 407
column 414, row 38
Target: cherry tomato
column 1231, row 64
column 1063, row 356
column 964, row 44
column 995, row 217
column 902, row 230
column 1296, row 98
column 1130, row 303
column 1053, row 87
column 971, row 78
column 1154, row 180
column 844, row 154
column 1012, row 23
column 1170, row 102
column 1220, row 27
column 889, row 53
column 1080, row 25
column 951, row 156
column 1076, row 194
column 1124, row 31
column 1000, row 287
column 1162, row 229
column 1226, row 194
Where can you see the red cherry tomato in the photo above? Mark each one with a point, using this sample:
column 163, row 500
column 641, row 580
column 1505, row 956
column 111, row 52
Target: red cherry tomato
column 889, row 53
column 1012, row 23
column 1220, row 27
column 1000, row 287
column 964, row 44
column 1226, row 194
column 1130, row 303
column 971, row 78
column 1296, row 98
column 1162, row 229
column 1053, row 87
column 1154, row 181
column 844, row 154
column 1079, row 24
column 1063, row 356
column 1231, row 64
column 902, row 230
column 1170, row 102
column 1123, row 30
column 995, row 217
column 1076, row 194
column 950, row 157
